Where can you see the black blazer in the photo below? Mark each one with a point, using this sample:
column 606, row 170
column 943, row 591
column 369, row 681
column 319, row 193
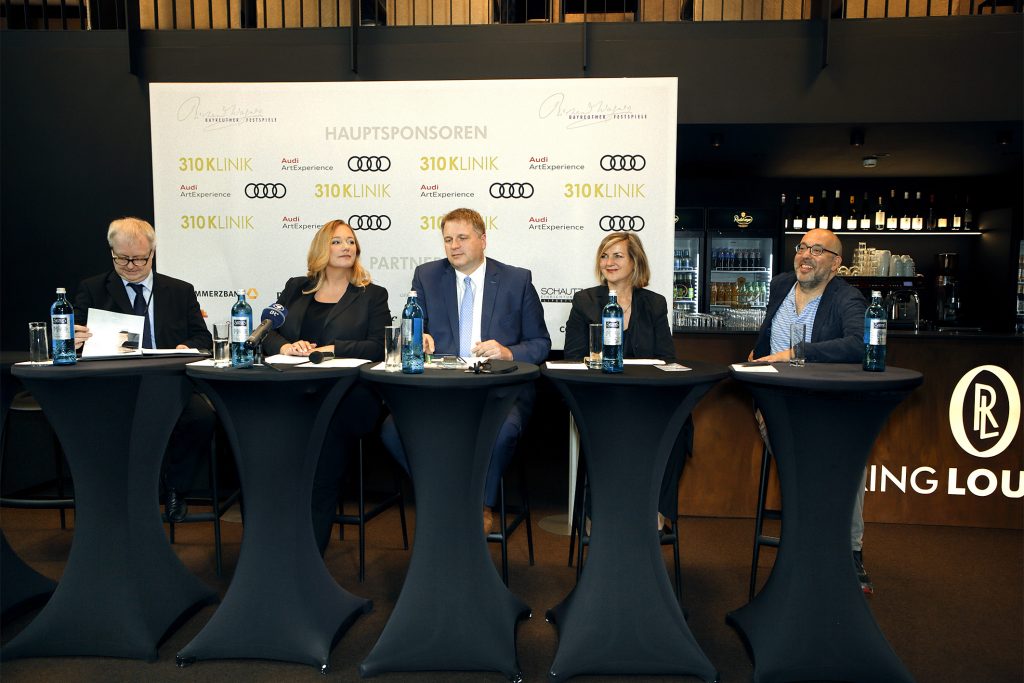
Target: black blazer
column 355, row 325
column 649, row 333
column 176, row 313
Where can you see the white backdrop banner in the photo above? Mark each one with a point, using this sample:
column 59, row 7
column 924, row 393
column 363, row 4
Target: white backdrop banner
column 245, row 173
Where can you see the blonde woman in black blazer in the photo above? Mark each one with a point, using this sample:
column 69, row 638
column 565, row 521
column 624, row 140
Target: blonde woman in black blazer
column 334, row 308
column 622, row 265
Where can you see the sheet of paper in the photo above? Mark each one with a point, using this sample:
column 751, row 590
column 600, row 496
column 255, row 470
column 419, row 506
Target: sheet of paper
column 205, row 363
column 566, row 365
column 339, row 363
column 281, row 359
column 740, row 367
column 171, row 352
column 673, row 367
column 113, row 334
column 642, row 361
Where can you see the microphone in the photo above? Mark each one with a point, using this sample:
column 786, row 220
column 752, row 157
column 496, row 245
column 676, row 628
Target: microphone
column 272, row 318
column 318, row 357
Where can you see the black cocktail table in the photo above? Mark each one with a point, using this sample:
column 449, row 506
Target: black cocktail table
column 19, row 583
column 454, row 613
column 811, row 621
column 123, row 587
column 282, row 603
column 622, row 617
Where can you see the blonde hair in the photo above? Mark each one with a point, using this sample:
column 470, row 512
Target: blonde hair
column 129, row 228
column 635, row 248
column 320, row 253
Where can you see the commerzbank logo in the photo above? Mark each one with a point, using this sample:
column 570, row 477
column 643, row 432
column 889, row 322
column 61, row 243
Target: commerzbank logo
column 984, row 411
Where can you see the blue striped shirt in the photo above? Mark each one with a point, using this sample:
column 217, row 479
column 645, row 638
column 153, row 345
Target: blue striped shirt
column 786, row 316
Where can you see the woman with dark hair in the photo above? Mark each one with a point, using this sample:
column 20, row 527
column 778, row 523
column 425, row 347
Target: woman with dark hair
column 621, row 265
column 334, row 308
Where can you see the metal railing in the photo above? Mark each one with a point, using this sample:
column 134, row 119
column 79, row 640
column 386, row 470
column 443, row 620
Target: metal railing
column 64, row 15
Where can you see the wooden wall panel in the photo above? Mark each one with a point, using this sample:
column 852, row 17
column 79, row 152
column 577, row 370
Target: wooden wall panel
column 721, row 479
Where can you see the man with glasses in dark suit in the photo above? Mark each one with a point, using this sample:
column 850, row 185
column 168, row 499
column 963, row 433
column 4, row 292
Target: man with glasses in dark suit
column 173, row 319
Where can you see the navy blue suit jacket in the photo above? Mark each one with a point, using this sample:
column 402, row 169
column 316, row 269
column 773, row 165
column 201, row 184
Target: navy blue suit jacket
column 838, row 332
column 512, row 313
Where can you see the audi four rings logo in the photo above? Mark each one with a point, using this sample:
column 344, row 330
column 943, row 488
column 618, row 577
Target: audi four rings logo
column 511, row 190
column 622, row 223
column 265, row 190
column 369, row 164
column 623, row 162
column 363, row 222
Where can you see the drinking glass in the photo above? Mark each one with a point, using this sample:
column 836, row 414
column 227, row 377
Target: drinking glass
column 596, row 337
column 797, row 332
column 221, row 342
column 38, row 343
column 393, row 348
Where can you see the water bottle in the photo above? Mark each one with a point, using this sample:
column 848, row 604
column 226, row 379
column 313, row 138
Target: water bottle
column 611, row 323
column 62, row 334
column 875, row 327
column 241, row 328
column 412, row 336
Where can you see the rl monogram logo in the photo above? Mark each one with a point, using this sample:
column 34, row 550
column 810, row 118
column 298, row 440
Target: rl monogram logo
column 986, row 410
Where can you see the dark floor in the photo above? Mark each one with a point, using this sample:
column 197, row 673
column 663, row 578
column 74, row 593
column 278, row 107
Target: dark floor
column 948, row 599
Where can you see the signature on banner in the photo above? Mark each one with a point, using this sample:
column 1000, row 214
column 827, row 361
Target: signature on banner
column 224, row 116
column 588, row 113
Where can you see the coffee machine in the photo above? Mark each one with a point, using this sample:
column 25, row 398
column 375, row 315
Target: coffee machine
column 947, row 289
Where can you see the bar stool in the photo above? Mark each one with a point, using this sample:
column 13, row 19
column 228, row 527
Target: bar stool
column 364, row 514
column 763, row 512
column 23, row 402
column 520, row 514
column 211, row 497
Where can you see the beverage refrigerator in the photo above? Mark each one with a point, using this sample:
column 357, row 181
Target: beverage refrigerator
column 741, row 253
column 688, row 268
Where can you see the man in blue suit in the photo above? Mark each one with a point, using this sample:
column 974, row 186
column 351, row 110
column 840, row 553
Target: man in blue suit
column 476, row 306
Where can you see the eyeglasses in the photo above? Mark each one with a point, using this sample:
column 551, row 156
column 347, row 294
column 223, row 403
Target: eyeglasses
column 816, row 250
column 139, row 260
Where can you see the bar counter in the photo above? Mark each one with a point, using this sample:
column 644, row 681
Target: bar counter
column 919, row 471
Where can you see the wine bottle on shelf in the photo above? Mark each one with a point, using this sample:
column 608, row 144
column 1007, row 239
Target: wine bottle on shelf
column 892, row 221
column 824, row 211
column 852, row 218
column 905, row 218
column 880, row 216
column 957, row 219
column 812, row 216
column 837, row 210
column 931, row 220
column 917, row 219
column 968, row 220
column 943, row 221
column 798, row 216
column 784, row 213
column 865, row 213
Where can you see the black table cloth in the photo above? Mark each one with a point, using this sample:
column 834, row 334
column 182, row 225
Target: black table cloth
column 123, row 587
column 20, row 585
column 453, row 613
column 282, row 603
column 622, row 617
column 811, row 621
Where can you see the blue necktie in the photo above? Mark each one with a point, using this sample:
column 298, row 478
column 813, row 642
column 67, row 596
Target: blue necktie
column 466, row 320
column 140, row 308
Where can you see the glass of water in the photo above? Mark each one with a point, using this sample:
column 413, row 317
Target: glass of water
column 221, row 341
column 797, row 332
